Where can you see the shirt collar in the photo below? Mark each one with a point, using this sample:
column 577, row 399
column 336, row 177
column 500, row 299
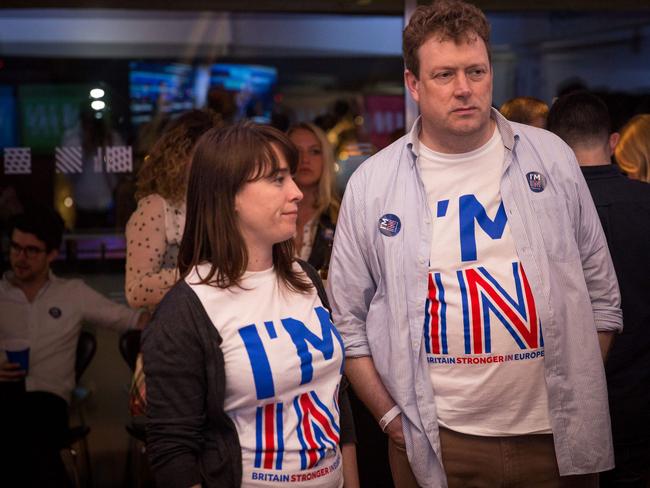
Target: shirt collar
column 509, row 134
column 605, row 170
column 7, row 285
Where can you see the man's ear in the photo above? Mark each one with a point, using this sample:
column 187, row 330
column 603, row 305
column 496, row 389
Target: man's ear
column 614, row 137
column 52, row 255
column 412, row 85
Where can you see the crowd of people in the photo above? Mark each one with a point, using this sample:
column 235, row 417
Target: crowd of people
column 486, row 310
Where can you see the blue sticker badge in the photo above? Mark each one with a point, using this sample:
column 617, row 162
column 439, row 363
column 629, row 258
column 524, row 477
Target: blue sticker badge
column 389, row 225
column 55, row 312
column 536, row 181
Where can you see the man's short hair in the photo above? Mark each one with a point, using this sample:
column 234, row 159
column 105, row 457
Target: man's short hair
column 452, row 20
column 524, row 110
column 580, row 119
column 42, row 221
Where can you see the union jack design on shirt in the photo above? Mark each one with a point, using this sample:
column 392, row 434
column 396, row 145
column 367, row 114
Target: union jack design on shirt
column 317, row 429
column 269, row 438
column 481, row 296
column 435, row 317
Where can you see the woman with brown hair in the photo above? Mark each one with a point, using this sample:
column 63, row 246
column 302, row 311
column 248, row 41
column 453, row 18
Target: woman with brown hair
column 153, row 233
column 319, row 209
column 242, row 360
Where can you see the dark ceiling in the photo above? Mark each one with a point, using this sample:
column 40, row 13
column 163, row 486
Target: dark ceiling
column 367, row 7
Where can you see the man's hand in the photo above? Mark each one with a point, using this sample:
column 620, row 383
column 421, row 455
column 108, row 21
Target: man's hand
column 371, row 391
column 11, row 372
column 605, row 340
column 395, row 432
column 143, row 320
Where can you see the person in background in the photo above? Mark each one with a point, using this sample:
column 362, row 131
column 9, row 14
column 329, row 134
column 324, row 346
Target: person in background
column 9, row 206
column 46, row 312
column 472, row 284
column 154, row 230
column 319, row 208
column 93, row 188
column 582, row 120
column 153, row 233
column 316, row 223
column 223, row 103
column 526, row 110
column 633, row 149
column 243, row 363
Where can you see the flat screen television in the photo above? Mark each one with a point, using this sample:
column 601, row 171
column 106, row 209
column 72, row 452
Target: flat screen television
column 160, row 87
column 251, row 85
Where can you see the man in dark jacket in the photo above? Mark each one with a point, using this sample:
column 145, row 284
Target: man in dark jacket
column 623, row 205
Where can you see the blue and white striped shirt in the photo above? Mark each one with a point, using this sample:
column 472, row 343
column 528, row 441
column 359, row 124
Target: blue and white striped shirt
column 378, row 281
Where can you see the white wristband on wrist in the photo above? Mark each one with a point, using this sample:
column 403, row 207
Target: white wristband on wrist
column 389, row 417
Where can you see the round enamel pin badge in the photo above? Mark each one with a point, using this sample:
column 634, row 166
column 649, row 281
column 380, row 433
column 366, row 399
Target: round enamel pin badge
column 389, row 225
column 55, row 312
column 536, row 181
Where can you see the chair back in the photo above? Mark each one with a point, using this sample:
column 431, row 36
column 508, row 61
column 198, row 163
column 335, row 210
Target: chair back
column 86, row 348
column 130, row 346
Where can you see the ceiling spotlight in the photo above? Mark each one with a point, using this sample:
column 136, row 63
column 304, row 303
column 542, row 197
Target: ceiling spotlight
column 98, row 105
column 96, row 93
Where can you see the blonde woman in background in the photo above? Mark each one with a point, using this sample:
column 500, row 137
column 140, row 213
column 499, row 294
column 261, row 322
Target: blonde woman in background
column 319, row 208
column 633, row 149
column 154, row 231
column 315, row 225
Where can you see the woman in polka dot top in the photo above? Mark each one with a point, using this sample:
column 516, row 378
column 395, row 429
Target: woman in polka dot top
column 154, row 230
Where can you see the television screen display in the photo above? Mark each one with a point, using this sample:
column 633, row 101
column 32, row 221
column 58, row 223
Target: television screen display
column 160, row 87
column 251, row 85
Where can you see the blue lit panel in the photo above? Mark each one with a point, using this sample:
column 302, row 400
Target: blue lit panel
column 7, row 117
column 160, row 87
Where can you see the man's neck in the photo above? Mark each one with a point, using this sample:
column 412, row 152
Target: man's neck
column 592, row 157
column 32, row 287
column 456, row 144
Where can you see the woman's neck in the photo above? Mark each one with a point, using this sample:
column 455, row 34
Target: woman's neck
column 259, row 259
column 306, row 208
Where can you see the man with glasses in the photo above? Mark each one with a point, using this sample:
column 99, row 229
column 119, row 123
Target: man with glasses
column 46, row 312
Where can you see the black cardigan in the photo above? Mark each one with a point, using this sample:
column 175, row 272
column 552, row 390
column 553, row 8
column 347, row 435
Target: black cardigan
column 190, row 439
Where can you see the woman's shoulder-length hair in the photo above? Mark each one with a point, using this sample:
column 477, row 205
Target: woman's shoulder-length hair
column 225, row 159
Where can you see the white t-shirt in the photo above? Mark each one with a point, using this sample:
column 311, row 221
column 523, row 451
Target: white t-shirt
column 482, row 334
column 284, row 360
